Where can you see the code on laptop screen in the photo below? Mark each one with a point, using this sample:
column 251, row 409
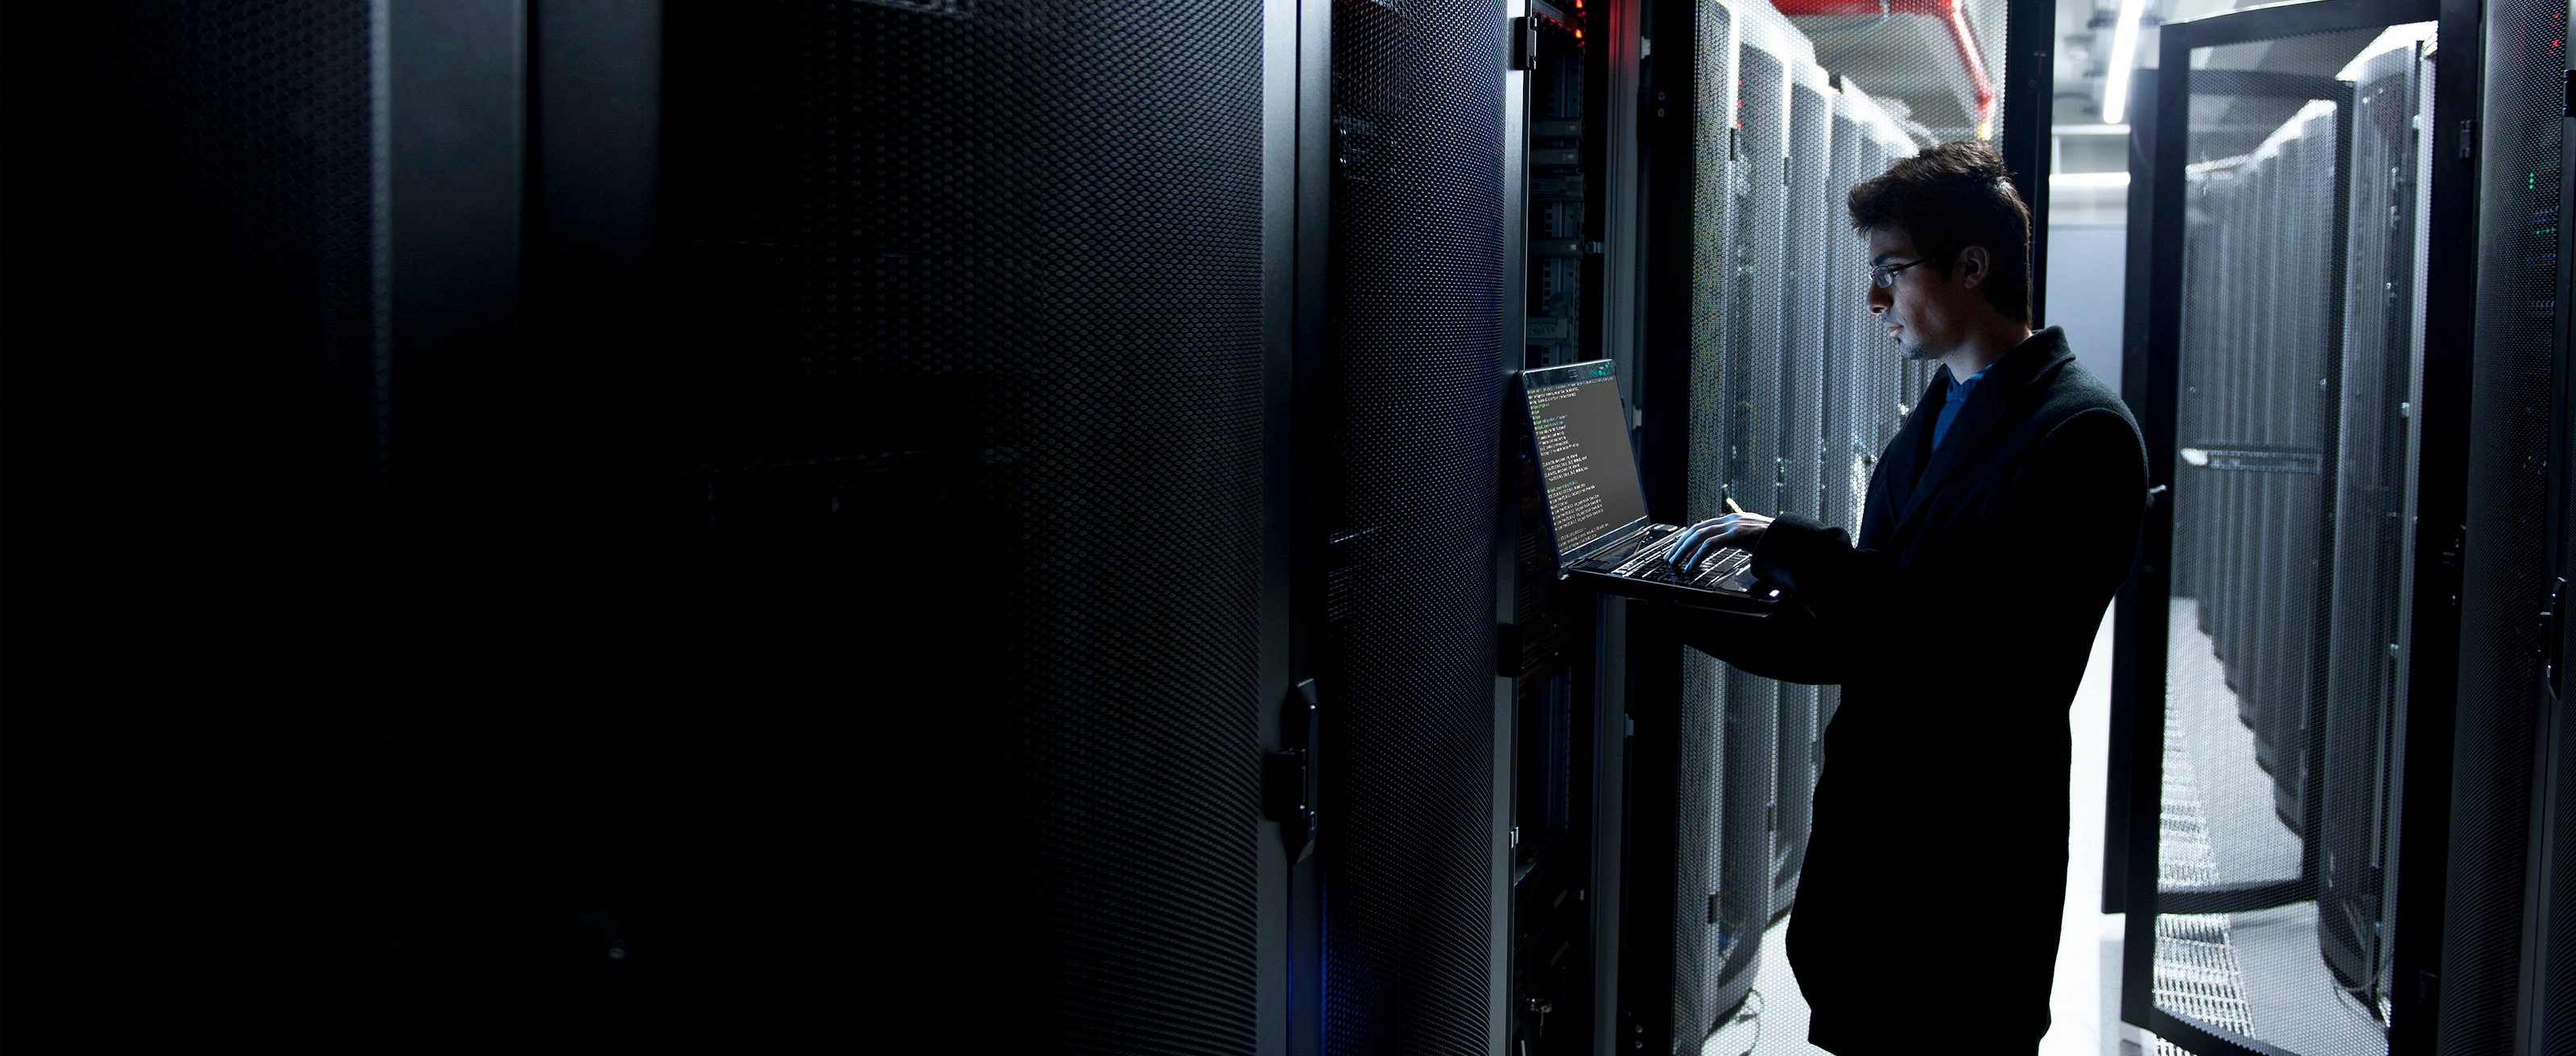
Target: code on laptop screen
column 1584, row 462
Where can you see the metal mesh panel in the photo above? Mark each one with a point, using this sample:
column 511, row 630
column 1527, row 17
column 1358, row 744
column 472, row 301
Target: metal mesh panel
column 2520, row 142
column 987, row 279
column 193, row 313
column 2301, row 341
column 1416, row 276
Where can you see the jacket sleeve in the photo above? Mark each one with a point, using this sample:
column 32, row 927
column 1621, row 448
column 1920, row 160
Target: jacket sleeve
column 2053, row 548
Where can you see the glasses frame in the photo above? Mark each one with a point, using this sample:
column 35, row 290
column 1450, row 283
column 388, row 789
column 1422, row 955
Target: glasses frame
column 1883, row 276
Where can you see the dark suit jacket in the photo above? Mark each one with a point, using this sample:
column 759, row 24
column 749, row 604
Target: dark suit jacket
column 1958, row 627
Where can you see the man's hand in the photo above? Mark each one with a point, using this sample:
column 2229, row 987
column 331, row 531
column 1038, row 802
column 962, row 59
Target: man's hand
column 1700, row 540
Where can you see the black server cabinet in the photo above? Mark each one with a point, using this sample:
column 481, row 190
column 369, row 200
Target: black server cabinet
column 966, row 382
column 2363, row 695
column 1408, row 387
column 758, row 492
column 766, row 470
column 1562, row 651
column 2506, row 560
column 193, row 312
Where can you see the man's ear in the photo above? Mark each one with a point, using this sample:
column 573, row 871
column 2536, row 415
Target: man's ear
column 1974, row 266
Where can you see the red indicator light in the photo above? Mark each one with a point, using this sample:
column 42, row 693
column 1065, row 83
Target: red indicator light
column 1578, row 34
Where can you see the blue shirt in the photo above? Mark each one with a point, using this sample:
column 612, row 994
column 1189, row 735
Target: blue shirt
column 1950, row 405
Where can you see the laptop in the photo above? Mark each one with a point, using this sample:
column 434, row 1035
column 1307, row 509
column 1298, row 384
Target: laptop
column 1596, row 503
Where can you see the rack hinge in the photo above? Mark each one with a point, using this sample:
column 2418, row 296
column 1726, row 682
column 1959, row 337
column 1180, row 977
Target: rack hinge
column 2468, row 138
column 1288, row 775
column 2553, row 638
column 2449, row 563
column 1524, row 43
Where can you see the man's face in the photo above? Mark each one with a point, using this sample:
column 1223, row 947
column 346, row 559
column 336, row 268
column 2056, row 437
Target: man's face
column 1925, row 311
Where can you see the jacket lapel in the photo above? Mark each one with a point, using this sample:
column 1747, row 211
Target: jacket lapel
column 1905, row 450
column 2030, row 362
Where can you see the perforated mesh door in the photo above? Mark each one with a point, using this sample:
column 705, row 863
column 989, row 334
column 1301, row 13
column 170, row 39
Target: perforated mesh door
column 973, row 397
column 2301, row 335
column 1413, row 351
column 191, row 418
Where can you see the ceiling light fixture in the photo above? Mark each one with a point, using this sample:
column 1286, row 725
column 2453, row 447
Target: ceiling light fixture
column 2124, row 58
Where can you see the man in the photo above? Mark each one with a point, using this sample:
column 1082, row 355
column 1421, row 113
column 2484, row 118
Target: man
column 1999, row 522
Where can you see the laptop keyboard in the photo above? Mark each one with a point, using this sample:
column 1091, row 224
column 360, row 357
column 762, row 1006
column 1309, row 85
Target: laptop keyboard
column 1648, row 564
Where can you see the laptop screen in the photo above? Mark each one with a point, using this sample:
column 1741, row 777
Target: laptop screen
column 1584, row 462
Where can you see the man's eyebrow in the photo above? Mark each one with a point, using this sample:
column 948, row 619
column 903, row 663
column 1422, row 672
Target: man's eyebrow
column 1881, row 258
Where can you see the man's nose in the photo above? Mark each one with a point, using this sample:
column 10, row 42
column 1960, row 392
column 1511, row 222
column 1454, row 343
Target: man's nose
column 1879, row 300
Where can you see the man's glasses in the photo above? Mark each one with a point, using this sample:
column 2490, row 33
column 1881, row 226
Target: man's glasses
column 1884, row 275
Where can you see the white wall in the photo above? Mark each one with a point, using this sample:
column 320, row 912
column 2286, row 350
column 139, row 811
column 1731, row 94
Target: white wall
column 2087, row 267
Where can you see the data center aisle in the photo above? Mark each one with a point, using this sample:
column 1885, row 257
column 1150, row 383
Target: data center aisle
column 2085, row 999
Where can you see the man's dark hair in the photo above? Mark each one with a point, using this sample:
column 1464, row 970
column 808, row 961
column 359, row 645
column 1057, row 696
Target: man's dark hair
column 1947, row 198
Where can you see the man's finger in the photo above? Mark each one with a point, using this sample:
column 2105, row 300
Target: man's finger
column 1709, row 536
column 1681, row 543
column 1689, row 537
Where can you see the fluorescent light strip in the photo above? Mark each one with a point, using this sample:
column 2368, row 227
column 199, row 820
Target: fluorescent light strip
column 2124, row 58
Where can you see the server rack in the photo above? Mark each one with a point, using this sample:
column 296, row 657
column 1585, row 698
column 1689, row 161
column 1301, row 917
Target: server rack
column 1559, row 646
column 1292, row 400
column 2374, row 499
column 2256, row 461
column 2501, row 926
column 912, row 278
column 655, row 367
column 723, row 333
column 239, row 383
column 1806, row 292
column 1409, row 380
